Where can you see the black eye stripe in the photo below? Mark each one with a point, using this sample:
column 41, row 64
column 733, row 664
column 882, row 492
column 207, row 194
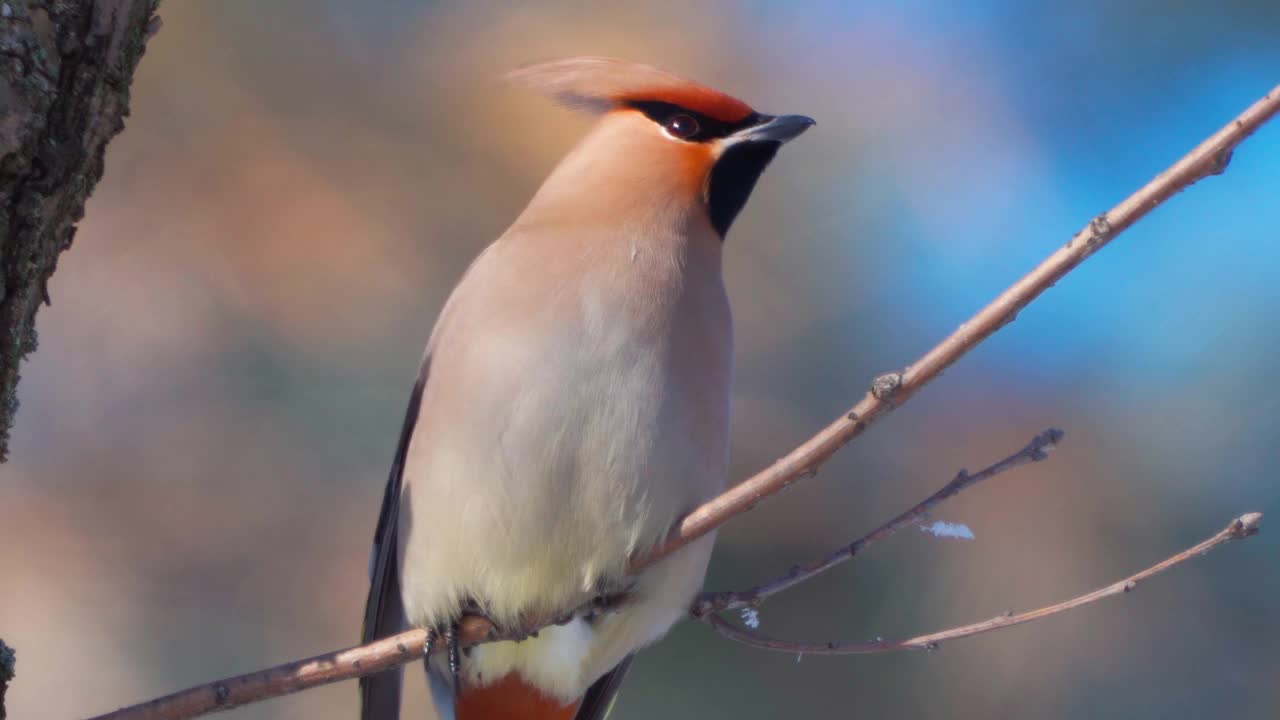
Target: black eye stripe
column 709, row 128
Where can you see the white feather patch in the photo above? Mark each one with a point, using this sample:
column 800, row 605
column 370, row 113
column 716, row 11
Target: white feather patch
column 552, row 661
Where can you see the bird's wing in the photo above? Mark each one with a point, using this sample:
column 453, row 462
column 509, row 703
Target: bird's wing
column 383, row 611
column 599, row 699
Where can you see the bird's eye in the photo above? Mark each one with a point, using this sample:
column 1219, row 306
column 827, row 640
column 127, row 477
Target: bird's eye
column 682, row 126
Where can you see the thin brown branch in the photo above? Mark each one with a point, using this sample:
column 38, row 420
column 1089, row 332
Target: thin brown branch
column 1035, row 451
column 1240, row 528
column 291, row 677
column 888, row 391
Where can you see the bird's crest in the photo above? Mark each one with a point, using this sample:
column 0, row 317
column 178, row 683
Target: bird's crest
column 599, row 84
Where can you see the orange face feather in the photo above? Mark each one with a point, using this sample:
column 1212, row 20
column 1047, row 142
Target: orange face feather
column 603, row 85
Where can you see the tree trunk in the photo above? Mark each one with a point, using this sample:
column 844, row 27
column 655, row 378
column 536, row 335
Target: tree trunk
column 65, row 71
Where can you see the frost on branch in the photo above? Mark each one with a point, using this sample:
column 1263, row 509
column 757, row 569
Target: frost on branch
column 954, row 531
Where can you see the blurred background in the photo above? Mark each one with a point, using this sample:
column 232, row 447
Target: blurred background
column 207, row 425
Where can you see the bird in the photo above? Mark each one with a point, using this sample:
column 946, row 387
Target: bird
column 572, row 404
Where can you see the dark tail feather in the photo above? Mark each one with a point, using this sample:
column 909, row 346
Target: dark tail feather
column 600, row 696
column 380, row 693
column 384, row 609
column 440, row 688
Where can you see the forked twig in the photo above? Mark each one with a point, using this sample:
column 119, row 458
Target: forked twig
column 1035, row 451
column 1240, row 528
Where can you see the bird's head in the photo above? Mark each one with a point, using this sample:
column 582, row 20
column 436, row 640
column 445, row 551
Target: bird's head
column 661, row 137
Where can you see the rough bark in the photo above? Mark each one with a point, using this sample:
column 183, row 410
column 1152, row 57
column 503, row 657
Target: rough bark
column 8, row 660
column 65, row 71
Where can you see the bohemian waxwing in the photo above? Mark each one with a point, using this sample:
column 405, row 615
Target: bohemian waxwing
column 573, row 403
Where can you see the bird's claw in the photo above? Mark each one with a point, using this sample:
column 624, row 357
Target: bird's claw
column 602, row 604
column 606, row 603
column 449, row 632
column 451, row 646
column 498, row 631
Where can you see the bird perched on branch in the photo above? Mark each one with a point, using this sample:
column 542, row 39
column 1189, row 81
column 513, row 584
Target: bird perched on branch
column 573, row 403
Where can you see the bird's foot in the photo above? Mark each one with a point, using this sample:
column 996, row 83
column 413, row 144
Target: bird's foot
column 449, row 633
column 606, row 603
column 609, row 598
column 497, row 630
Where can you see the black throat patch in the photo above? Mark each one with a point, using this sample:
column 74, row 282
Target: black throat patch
column 733, row 178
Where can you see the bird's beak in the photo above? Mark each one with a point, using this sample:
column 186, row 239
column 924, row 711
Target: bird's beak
column 778, row 129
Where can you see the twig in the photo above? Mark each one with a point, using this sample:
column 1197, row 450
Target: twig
column 1240, row 528
column 888, row 391
column 1035, row 451
column 298, row 675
